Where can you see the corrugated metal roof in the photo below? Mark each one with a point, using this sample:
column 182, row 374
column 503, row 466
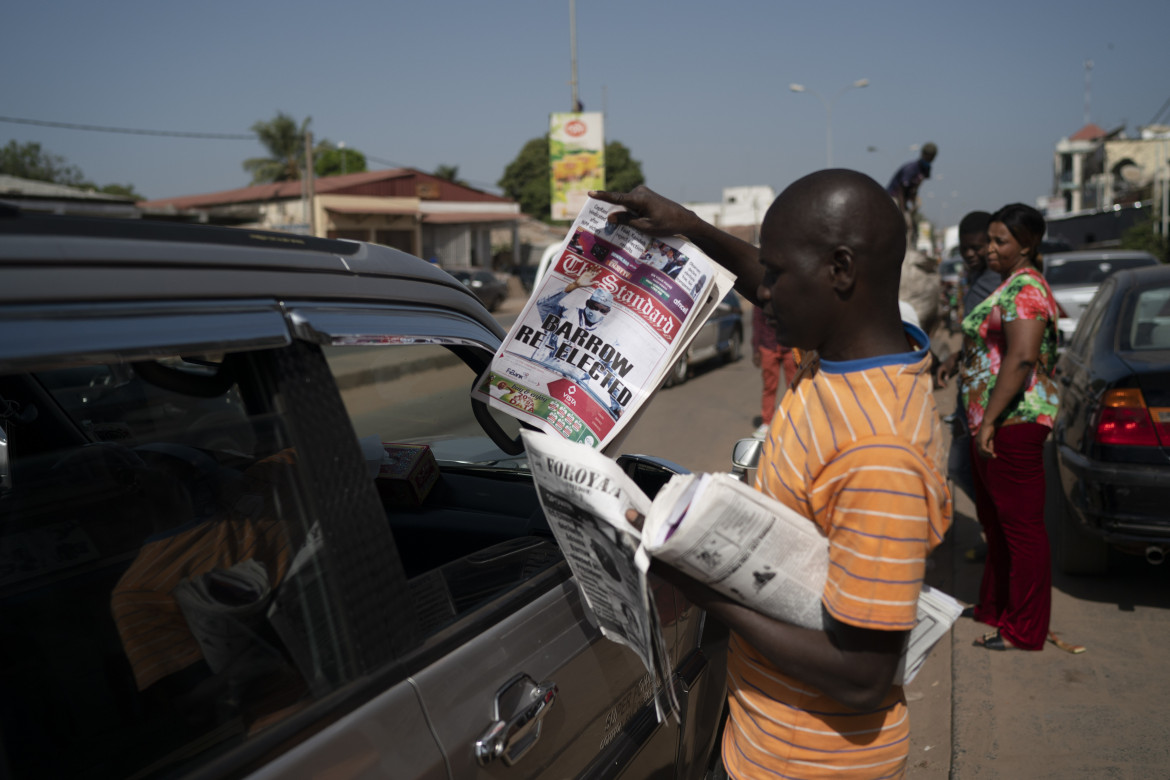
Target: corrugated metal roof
column 448, row 217
column 1089, row 132
column 275, row 191
column 31, row 188
column 392, row 182
column 372, row 210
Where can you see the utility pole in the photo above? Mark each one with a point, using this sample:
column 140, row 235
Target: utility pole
column 309, row 183
column 1088, row 89
column 573, row 52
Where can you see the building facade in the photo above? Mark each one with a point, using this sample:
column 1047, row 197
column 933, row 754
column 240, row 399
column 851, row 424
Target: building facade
column 424, row 215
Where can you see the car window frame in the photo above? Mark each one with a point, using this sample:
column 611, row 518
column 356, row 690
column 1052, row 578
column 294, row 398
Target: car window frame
column 39, row 334
column 146, row 331
column 1091, row 318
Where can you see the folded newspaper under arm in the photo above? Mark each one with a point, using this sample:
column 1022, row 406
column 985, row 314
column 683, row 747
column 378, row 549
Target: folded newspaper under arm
column 602, row 329
column 712, row 527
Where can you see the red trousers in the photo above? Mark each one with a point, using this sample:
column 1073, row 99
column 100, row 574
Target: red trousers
column 771, row 361
column 1015, row 595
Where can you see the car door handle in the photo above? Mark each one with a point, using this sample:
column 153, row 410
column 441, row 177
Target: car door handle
column 519, row 708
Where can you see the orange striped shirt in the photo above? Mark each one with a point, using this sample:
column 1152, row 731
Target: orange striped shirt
column 855, row 447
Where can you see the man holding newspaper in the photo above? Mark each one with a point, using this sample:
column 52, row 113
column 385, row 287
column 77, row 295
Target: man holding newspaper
column 853, row 448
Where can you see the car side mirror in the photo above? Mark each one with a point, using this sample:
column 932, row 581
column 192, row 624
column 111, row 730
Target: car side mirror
column 745, row 455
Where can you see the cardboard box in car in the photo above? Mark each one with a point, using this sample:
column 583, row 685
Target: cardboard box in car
column 407, row 474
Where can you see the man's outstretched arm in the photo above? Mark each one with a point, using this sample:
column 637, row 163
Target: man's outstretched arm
column 853, row 666
column 656, row 215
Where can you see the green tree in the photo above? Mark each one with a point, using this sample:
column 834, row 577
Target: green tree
column 124, row 190
column 29, row 161
column 332, row 161
column 1144, row 236
column 622, row 172
column 450, row 173
column 526, row 180
column 285, row 141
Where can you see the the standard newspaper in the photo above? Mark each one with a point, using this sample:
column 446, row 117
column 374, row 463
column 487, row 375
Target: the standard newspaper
column 712, row 527
column 602, row 328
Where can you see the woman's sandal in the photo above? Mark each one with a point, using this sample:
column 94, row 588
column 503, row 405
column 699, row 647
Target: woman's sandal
column 993, row 641
column 1067, row 647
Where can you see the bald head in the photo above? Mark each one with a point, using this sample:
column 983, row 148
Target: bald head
column 842, row 208
column 836, row 240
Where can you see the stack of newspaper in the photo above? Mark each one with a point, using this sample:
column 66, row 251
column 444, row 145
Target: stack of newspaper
column 712, row 527
column 602, row 329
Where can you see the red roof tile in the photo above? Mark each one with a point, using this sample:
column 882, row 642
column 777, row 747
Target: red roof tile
column 449, row 217
column 371, row 210
column 1089, row 132
column 350, row 183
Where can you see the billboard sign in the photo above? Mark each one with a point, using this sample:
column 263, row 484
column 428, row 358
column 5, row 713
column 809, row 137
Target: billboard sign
column 576, row 145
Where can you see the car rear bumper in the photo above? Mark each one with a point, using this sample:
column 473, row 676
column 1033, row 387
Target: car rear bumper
column 1121, row 503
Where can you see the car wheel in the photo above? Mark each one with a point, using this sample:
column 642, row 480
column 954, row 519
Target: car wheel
column 1074, row 550
column 734, row 348
column 678, row 372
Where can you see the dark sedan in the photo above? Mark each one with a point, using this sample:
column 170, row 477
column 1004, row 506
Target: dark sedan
column 489, row 288
column 1111, row 441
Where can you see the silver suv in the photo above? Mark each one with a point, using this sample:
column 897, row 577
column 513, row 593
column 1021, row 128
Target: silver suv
column 251, row 524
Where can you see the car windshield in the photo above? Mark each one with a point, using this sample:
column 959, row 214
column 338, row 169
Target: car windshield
column 1091, row 271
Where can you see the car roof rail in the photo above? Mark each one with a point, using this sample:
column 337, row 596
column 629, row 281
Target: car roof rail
column 29, row 223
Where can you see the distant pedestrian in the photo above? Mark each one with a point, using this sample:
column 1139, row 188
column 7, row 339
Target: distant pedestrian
column 976, row 283
column 903, row 187
column 771, row 357
column 1010, row 398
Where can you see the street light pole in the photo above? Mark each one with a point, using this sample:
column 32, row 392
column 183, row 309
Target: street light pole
column 828, row 104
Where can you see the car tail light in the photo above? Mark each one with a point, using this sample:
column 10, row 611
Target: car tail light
column 1124, row 419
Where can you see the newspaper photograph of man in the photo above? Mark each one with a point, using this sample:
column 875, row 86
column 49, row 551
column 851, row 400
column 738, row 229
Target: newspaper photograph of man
column 586, row 351
column 664, row 258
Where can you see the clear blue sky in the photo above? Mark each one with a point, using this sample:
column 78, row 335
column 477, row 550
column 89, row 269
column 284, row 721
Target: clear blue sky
column 698, row 91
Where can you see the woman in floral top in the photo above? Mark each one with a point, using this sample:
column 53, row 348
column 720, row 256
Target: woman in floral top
column 1011, row 399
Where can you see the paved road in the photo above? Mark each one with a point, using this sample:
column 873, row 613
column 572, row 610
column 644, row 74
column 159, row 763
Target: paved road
column 977, row 713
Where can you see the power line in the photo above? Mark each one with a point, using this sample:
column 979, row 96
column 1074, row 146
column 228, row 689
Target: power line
column 1161, row 110
column 183, row 134
column 129, row 130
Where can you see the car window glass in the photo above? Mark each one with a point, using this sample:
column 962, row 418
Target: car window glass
column 1092, row 315
column 164, row 594
column 464, row 515
column 1149, row 325
column 1092, row 271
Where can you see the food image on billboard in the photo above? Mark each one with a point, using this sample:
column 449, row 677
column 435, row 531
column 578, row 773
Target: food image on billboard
column 576, row 146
